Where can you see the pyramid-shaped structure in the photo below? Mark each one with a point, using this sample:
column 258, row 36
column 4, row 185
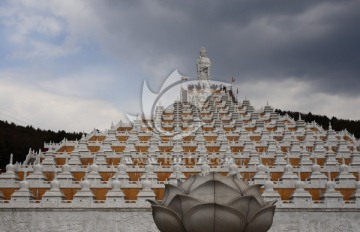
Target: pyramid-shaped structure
column 205, row 130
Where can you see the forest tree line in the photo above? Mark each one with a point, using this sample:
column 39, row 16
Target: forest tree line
column 352, row 126
column 17, row 140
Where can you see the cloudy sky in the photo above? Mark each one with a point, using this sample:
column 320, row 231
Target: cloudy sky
column 76, row 65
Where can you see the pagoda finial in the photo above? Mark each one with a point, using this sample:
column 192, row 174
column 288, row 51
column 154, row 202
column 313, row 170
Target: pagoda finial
column 11, row 158
column 203, row 65
column 299, row 116
column 330, row 126
column 268, row 175
column 147, row 175
column 37, row 160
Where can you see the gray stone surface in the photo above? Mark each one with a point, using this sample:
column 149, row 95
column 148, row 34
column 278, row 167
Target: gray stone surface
column 140, row 220
column 316, row 221
column 76, row 220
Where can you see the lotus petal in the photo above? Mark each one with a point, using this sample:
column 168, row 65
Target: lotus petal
column 247, row 205
column 153, row 202
column 270, row 202
column 262, row 220
column 213, row 203
column 199, row 180
column 181, row 204
column 228, row 180
column 243, row 185
column 254, row 190
column 167, row 220
column 187, row 183
column 213, row 217
column 215, row 192
column 170, row 192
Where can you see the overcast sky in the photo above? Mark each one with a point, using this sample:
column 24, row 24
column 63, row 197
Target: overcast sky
column 76, row 65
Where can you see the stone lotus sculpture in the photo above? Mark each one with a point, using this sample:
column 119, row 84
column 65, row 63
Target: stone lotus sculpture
column 213, row 203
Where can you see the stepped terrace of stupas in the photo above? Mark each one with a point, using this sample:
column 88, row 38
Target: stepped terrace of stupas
column 298, row 163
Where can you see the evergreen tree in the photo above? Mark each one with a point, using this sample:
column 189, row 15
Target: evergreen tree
column 351, row 126
column 19, row 139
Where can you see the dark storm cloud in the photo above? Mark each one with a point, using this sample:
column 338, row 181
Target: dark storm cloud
column 300, row 55
column 315, row 41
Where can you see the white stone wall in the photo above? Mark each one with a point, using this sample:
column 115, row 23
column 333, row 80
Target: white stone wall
column 316, row 221
column 59, row 220
column 140, row 220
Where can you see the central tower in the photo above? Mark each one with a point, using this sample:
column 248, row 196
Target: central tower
column 203, row 65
